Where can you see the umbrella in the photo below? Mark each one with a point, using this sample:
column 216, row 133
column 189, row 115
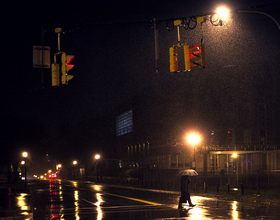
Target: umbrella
column 188, row 172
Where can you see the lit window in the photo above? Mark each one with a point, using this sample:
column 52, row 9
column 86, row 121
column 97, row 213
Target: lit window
column 124, row 123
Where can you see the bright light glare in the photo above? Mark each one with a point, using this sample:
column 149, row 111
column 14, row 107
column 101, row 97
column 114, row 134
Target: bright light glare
column 97, row 156
column 25, row 154
column 58, row 166
column 223, row 12
column 75, row 162
column 234, row 155
column 193, row 138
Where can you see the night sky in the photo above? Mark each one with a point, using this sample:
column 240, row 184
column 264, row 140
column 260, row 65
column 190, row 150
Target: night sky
column 113, row 44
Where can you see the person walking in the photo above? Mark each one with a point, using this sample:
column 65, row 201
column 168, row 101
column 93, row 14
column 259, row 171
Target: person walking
column 185, row 195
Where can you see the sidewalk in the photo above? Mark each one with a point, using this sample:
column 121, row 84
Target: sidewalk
column 267, row 197
column 15, row 202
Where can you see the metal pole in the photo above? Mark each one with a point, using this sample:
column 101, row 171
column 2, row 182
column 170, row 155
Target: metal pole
column 194, row 166
column 25, row 180
column 262, row 13
column 58, row 41
column 156, row 45
column 58, row 31
column 42, row 45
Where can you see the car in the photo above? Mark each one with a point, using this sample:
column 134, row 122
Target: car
column 52, row 176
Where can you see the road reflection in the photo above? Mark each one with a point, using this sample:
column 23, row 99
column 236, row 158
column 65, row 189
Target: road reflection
column 22, row 204
column 206, row 208
column 56, row 198
column 98, row 206
column 234, row 210
column 76, row 200
column 99, row 202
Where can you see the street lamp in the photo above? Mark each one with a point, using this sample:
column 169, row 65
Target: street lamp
column 24, row 155
column 223, row 12
column 58, row 166
column 74, row 169
column 97, row 157
column 235, row 165
column 193, row 139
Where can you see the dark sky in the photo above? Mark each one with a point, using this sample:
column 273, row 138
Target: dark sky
column 113, row 44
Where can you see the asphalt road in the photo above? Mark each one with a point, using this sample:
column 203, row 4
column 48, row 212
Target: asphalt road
column 86, row 200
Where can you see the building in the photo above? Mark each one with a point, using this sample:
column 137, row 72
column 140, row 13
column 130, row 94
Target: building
column 151, row 132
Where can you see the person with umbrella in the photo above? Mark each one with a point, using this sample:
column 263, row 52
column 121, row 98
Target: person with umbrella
column 185, row 195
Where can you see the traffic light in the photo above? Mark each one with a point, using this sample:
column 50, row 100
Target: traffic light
column 197, row 55
column 230, row 137
column 55, row 74
column 66, row 67
column 173, row 58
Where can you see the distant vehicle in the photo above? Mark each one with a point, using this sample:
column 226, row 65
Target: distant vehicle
column 52, row 176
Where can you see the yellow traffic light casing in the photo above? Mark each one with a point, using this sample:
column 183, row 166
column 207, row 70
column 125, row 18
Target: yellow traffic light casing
column 55, row 74
column 173, row 58
column 177, row 22
column 187, row 57
column 200, row 19
column 197, row 55
column 66, row 67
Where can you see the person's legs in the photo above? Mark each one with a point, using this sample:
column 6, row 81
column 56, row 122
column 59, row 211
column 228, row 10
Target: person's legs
column 189, row 199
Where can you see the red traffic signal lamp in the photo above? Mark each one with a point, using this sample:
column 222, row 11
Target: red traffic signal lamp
column 197, row 55
column 66, row 66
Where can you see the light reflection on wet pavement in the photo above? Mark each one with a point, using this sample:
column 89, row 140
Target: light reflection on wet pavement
column 16, row 206
column 209, row 208
column 76, row 200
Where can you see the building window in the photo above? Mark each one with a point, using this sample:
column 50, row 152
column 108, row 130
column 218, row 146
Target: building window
column 124, row 123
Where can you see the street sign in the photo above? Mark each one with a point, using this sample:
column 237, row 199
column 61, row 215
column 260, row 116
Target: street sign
column 41, row 57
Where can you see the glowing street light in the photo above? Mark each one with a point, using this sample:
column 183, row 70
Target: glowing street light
column 24, row 154
column 223, row 12
column 58, row 166
column 235, row 165
column 75, row 162
column 97, row 156
column 193, row 139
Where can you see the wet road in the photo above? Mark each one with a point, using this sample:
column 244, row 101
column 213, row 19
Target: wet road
column 84, row 200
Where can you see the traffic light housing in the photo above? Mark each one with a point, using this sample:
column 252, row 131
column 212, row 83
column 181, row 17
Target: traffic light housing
column 187, row 57
column 66, row 66
column 194, row 55
column 197, row 55
column 55, row 74
column 173, row 58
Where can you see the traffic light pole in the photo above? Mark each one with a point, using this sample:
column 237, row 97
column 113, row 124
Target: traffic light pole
column 58, row 31
column 262, row 13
